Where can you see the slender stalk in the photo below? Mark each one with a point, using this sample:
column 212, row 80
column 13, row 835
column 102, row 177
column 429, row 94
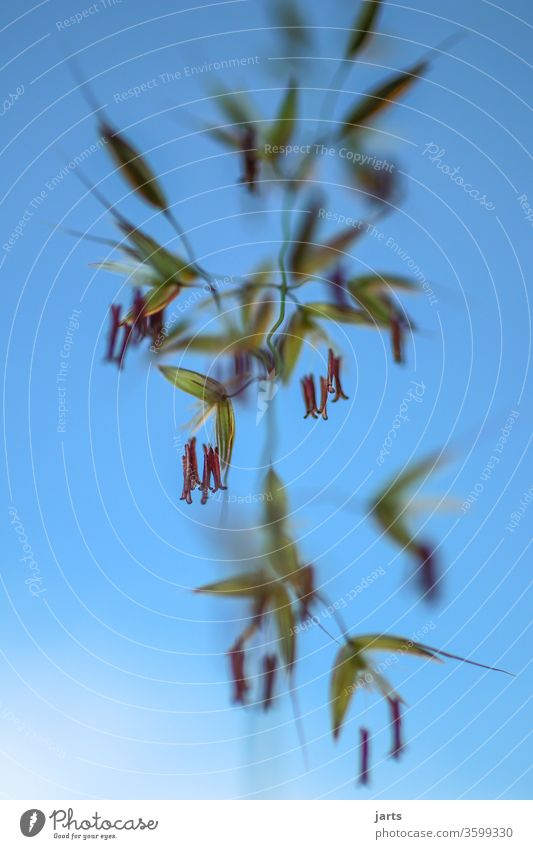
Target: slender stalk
column 336, row 615
column 330, row 100
column 332, row 95
column 298, row 722
column 286, row 221
column 173, row 221
column 271, row 438
column 245, row 385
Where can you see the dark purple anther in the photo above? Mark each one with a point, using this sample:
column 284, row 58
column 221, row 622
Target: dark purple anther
column 138, row 320
column 323, row 409
column 191, row 478
column 214, row 466
column 308, row 386
column 190, row 471
column 155, row 325
column 250, row 159
column 206, row 476
column 364, row 773
column 397, row 326
column 427, row 571
column 307, row 590
column 270, row 665
column 396, row 720
column 337, row 283
column 334, row 377
column 240, row 684
column 113, row 332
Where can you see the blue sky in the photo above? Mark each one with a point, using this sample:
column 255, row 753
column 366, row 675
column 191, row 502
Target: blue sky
column 114, row 674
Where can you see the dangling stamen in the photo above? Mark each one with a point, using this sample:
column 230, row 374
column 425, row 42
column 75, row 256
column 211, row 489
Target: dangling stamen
column 195, row 477
column 190, row 470
column 331, row 370
column 396, row 719
column 337, row 283
column 186, row 491
column 134, row 330
column 427, row 571
column 113, row 332
column 250, row 158
column 323, row 398
column 191, row 478
column 241, row 364
column 206, row 476
column 364, row 773
column 139, row 322
column 214, row 464
column 308, row 386
column 155, row 325
column 126, row 339
column 397, row 326
column 270, row 664
column 237, row 658
column 307, row 590
column 336, row 370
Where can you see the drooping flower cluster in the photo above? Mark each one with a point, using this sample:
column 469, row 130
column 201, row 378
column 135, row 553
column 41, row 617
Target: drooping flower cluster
column 270, row 597
column 281, row 594
column 241, row 684
column 328, row 385
column 211, row 472
column 135, row 327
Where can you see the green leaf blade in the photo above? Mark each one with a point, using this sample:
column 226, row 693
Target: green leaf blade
column 134, row 168
column 198, row 385
column 363, row 27
column 225, row 431
column 285, row 624
column 239, row 586
column 343, row 683
column 390, row 643
column 169, row 267
column 283, row 128
column 380, row 98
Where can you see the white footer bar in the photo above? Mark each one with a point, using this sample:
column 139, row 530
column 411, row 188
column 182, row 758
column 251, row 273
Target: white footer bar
column 268, row 824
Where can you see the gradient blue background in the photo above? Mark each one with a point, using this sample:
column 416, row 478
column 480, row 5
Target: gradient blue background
column 116, row 664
